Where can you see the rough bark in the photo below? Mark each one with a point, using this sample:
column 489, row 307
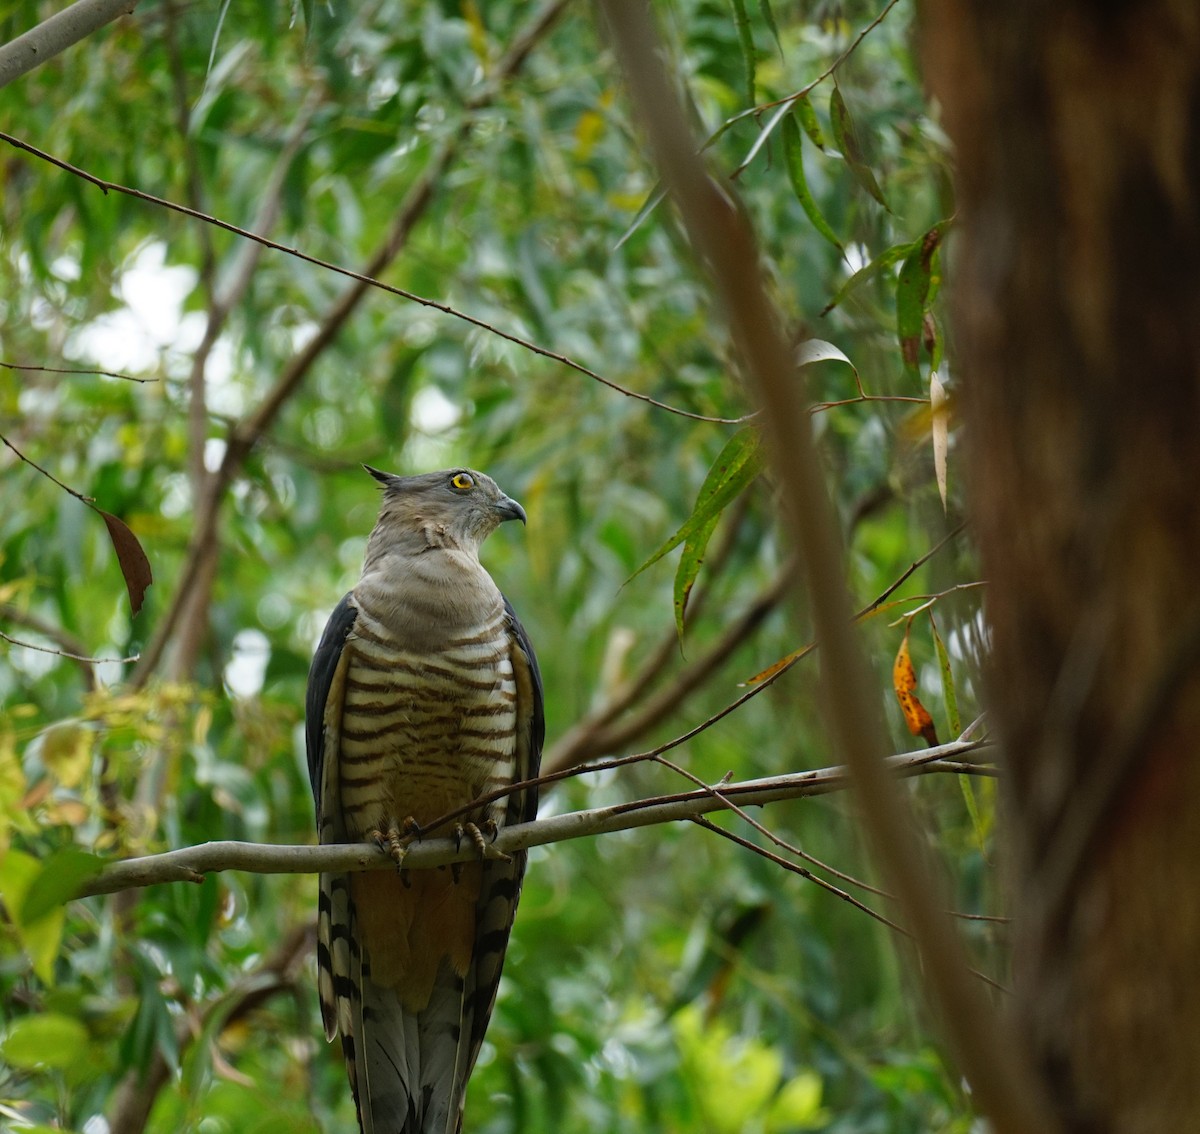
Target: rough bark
column 1077, row 276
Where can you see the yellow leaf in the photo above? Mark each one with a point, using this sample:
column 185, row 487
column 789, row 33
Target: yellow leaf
column 66, row 751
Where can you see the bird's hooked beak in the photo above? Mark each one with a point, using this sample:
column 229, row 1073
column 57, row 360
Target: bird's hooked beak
column 508, row 509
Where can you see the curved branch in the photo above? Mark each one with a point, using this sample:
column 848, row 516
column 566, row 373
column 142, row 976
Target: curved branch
column 191, row 864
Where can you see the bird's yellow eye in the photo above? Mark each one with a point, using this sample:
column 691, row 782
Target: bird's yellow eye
column 462, row 482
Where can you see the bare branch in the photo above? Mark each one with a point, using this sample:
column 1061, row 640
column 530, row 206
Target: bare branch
column 62, row 30
column 72, row 370
column 191, row 864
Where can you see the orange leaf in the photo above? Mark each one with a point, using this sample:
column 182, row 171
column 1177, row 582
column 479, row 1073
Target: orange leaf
column 904, row 681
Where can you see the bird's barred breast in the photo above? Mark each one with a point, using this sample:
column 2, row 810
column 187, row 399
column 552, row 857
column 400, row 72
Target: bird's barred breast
column 424, row 734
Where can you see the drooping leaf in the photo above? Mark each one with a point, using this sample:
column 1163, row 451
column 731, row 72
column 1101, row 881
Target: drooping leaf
column 741, row 22
column 884, row 260
column 912, row 296
column 764, row 6
column 57, row 882
column 690, row 563
column 818, row 350
column 793, row 152
column 135, row 567
column 738, row 463
column 904, row 681
column 940, row 415
column 948, row 691
column 846, row 136
column 653, row 199
column 780, row 115
column 806, row 113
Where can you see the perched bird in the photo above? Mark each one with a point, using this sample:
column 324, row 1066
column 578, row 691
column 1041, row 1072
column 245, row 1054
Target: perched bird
column 424, row 695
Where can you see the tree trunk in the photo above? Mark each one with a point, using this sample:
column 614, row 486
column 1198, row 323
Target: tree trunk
column 1077, row 281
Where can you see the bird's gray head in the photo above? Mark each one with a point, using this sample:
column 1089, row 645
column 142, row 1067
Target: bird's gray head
column 453, row 508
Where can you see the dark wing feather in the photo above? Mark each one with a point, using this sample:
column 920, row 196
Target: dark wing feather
column 320, row 680
column 533, row 718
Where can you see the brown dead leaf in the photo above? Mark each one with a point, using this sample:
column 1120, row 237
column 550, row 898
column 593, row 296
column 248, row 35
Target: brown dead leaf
column 135, row 567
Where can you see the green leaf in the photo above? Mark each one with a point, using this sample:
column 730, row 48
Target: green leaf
column 653, row 199
column 690, row 562
column 846, row 135
column 883, row 260
column 798, row 1104
column 793, row 151
column 45, row 1040
column 40, row 939
column 912, row 295
column 57, row 882
column 807, row 115
column 746, row 42
column 738, row 463
column 948, row 690
column 764, row 6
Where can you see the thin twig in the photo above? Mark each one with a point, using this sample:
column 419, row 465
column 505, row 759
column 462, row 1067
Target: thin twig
column 65, row 653
column 367, row 280
column 73, row 370
column 88, row 500
column 829, row 887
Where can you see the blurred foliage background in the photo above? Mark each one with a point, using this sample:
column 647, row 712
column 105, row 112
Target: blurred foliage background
column 483, row 157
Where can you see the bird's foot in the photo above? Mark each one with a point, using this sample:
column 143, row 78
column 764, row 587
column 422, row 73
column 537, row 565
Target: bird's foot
column 476, row 834
column 396, row 838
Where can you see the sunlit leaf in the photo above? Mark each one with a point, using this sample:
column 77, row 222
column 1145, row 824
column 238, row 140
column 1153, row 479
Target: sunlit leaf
column 793, row 154
column 66, row 751
column 797, row 1106
column 44, row 1040
column 940, row 416
column 42, row 938
column 818, row 350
